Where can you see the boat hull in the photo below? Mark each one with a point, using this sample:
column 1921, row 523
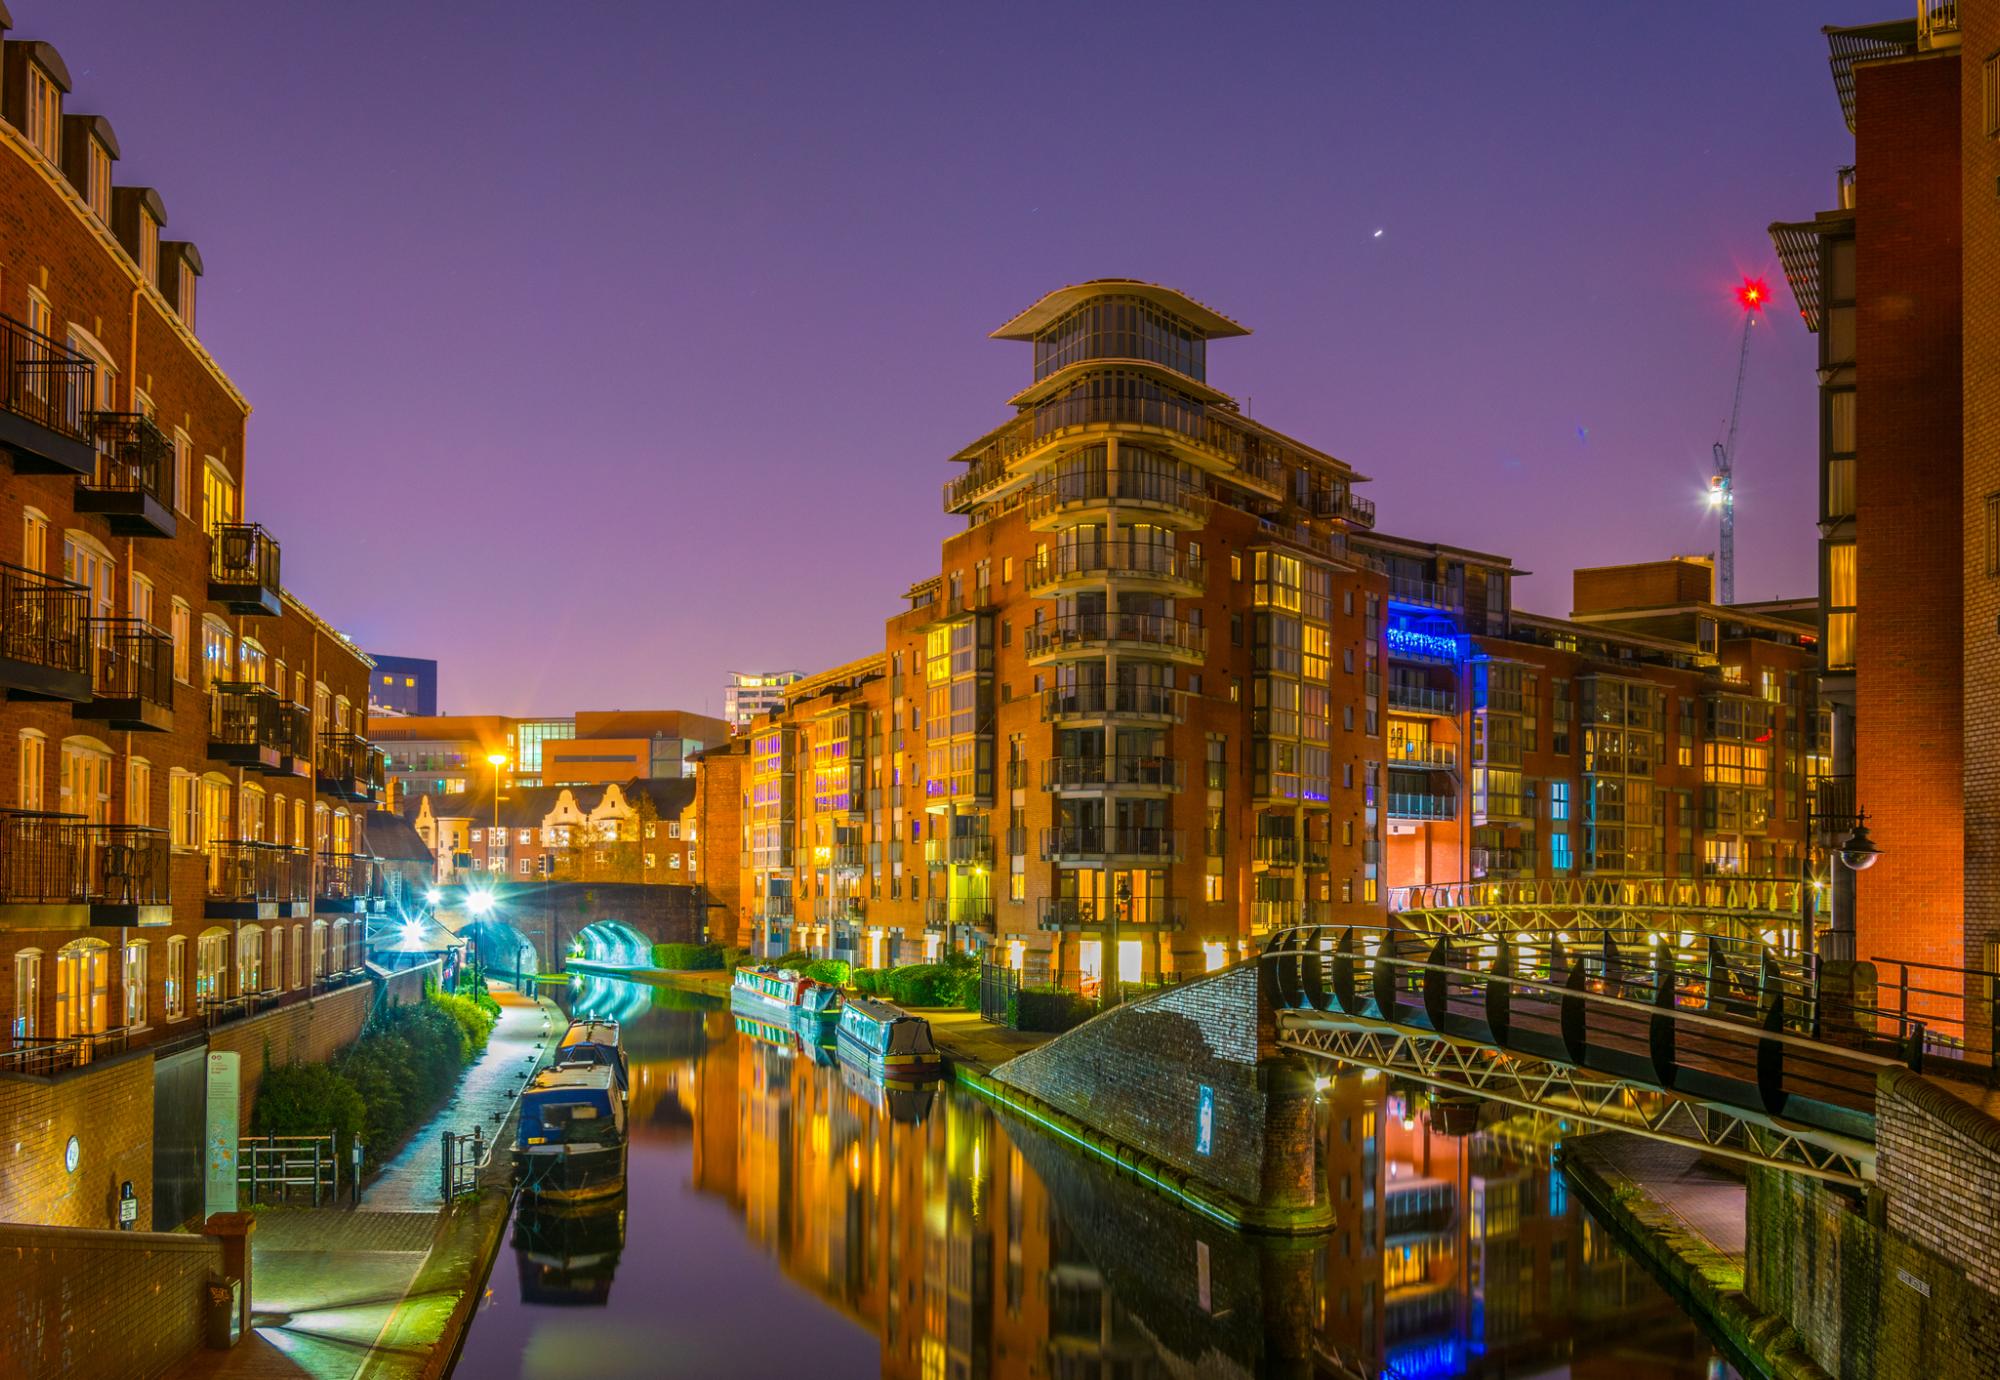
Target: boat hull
column 889, row 1068
column 814, row 1026
column 571, row 1173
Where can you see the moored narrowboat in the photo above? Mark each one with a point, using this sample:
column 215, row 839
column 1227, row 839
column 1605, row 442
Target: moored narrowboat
column 595, row 1042
column 570, row 1143
column 782, row 994
column 887, row 1040
column 568, row 1252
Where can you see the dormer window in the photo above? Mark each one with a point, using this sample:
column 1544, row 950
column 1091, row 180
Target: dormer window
column 44, row 113
column 97, row 179
column 184, row 293
column 149, row 247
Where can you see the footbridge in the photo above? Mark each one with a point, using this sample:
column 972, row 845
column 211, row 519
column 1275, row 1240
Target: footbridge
column 1708, row 1040
column 1585, row 907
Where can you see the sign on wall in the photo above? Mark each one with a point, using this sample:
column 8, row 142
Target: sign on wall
column 1204, row 1126
column 225, row 1081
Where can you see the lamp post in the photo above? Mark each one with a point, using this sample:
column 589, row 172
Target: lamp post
column 1857, row 853
column 497, row 760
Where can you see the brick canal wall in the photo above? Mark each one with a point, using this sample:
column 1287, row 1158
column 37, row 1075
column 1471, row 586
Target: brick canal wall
column 108, row 1107
column 1140, row 1073
column 101, row 1305
column 1904, row 1285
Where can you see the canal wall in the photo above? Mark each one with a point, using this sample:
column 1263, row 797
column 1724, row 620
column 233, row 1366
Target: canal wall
column 1186, row 1086
column 101, row 1305
column 1903, row 1284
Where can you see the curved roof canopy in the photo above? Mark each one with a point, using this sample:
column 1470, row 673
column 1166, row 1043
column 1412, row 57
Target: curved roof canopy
column 1212, row 324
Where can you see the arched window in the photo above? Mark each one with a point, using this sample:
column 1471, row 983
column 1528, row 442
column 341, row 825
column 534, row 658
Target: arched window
column 136, row 954
column 211, row 967
column 251, row 812
column 343, row 831
column 83, row 988
column 319, row 949
column 27, row 1023
column 298, row 955
column 173, row 987
column 340, row 963
column 86, row 779
column 249, row 959
column 275, row 965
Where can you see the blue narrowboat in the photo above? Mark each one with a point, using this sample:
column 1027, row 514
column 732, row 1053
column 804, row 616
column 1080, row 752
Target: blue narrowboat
column 595, row 1042
column 571, row 1140
column 887, row 1041
column 791, row 998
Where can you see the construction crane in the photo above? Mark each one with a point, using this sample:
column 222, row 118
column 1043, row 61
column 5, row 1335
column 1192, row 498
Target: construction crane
column 1751, row 296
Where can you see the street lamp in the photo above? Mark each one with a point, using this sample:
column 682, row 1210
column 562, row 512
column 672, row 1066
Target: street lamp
column 1857, row 853
column 498, row 760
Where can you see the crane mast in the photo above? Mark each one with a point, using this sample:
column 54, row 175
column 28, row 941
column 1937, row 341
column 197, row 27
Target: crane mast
column 1722, row 484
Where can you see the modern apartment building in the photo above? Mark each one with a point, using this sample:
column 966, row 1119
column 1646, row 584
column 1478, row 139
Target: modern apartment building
column 750, row 693
column 403, row 685
column 1170, row 692
column 452, row 754
column 1896, row 279
column 183, row 850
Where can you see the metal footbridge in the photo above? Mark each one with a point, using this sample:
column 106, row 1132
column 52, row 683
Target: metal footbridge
column 1708, row 1041
column 1745, row 909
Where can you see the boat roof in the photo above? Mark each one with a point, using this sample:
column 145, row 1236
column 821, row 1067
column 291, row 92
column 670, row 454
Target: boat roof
column 568, row 1076
column 877, row 1010
column 590, row 1033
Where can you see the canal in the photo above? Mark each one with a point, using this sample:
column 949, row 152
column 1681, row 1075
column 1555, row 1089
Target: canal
column 783, row 1218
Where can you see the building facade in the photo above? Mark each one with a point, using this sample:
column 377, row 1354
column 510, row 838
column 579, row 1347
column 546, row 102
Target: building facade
column 1169, row 692
column 453, row 754
column 750, row 693
column 403, row 685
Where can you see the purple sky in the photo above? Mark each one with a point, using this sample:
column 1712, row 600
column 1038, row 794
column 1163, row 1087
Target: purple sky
column 599, row 349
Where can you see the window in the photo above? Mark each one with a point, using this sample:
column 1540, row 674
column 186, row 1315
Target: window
column 1559, row 854
column 1989, row 95
column 27, row 994
column 34, row 540
column 218, row 496
column 86, row 780
column 181, row 628
column 184, row 810
column 1992, row 535
column 275, row 963
column 216, row 649
column 250, row 959
column 298, row 956
column 83, row 988
column 97, row 178
column 34, row 769
column 184, row 291
column 140, row 593
column 173, row 995
column 1839, row 585
column 44, row 112
column 135, row 984
column 87, row 563
column 138, row 791
column 149, row 248
column 1558, row 801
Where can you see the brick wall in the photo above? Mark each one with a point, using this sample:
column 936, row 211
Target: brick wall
column 307, row 1032
column 100, row 1305
column 1904, row 1293
column 108, row 1107
column 1136, row 1073
column 1980, row 174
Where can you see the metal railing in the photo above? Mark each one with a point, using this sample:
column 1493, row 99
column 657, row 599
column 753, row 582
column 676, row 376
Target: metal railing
column 43, row 620
column 1279, row 849
column 965, row 850
column 45, row 381
column 127, row 864
column 1099, row 701
column 349, row 876
column 39, row 1057
column 243, row 554
column 1177, row 491
column 1141, row 912
column 131, row 660
column 1423, row 699
column 41, row 857
column 976, row 911
column 278, row 1165
column 459, row 1163
column 1088, row 630
column 1410, row 589
column 1408, row 752
column 133, row 456
column 352, row 760
column 1113, row 560
column 1118, row 769
column 245, row 870
column 1955, row 1005
column 1404, row 805
column 1090, row 841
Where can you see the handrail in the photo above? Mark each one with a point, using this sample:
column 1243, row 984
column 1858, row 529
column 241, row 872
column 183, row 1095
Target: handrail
column 44, row 380
column 43, row 619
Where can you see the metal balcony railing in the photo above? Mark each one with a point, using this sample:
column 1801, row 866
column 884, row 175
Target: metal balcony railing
column 44, row 382
column 41, row 857
column 349, row 877
column 1407, row 752
column 1281, row 850
column 1409, row 589
column 1423, row 699
column 1406, row 805
column 243, row 870
column 135, row 461
column 1119, row 769
column 1101, row 701
column 249, row 717
column 43, row 621
column 1140, row 912
column 243, row 568
column 1088, row 842
column 1177, row 492
column 350, row 766
column 962, row 850
column 1496, row 862
column 976, row 911
column 1112, row 560
column 1088, row 631
column 131, row 661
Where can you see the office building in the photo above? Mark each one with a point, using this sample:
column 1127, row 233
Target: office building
column 750, row 693
column 403, row 685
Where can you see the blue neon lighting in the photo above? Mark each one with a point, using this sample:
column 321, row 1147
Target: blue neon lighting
column 1425, row 637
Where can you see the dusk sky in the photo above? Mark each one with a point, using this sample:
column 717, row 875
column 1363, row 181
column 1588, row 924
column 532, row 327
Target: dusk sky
column 598, row 349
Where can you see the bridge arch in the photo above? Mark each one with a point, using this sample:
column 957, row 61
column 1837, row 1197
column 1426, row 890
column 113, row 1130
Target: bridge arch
column 614, row 944
column 502, row 949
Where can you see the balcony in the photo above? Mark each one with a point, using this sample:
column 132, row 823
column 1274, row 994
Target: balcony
column 243, row 570
column 350, row 767
column 132, row 676
column 133, row 484
column 1095, row 703
column 959, row 850
column 1420, row 756
column 1422, row 699
column 777, row 908
column 1122, row 772
column 45, row 397
column 976, row 911
column 257, row 881
column 1175, row 498
column 248, row 727
column 1502, row 862
column 1134, row 564
column 1414, row 805
column 1139, row 913
column 1092, row 843
column 44, row 637
column 1274, row 850
column 1316, row 854
column 60, row 872
column 1079, row 636
column 350, row 884
column 1430, row 594
column 848, row 857
column 1285, row 914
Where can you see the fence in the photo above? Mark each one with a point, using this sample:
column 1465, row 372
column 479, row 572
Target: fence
column 1049, row 1001
column 460, row 1163
column 281, row 1165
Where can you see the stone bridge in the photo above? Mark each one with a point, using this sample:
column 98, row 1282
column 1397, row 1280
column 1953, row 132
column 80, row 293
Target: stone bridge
column 533, row 926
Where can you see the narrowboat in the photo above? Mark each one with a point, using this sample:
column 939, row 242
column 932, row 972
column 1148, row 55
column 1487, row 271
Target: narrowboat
column 568, row 1252
column 571, row 1140
column 781, row 994
column 589, row 1042
column 782, row 1038
column 887, row 1041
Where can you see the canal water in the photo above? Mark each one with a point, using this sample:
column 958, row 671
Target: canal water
column 783, row 1217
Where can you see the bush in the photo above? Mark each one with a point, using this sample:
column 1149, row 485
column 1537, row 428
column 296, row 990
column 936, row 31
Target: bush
column 686, row 958
column 309, row 1100
column 734, row 958
column 868, row 981
column 949, row 983
column 472, row 984
column 797, row 958
column 1048, row 1008
column 474, row 1022
column 832, row 971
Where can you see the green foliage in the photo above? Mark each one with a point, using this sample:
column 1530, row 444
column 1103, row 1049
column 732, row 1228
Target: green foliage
column 472, row 984
column 734, row 958
column 932, row 984
column 684, row 958
column 473, row 1021
column 309, row 1100
column 868, row 981
column 1048, row 1008
column 832, row 971
column 797, row 958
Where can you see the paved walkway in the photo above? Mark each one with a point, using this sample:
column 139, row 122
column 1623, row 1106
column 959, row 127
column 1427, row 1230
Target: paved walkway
column 972, row 1043
column 1705, row 1199
column 485, row 1098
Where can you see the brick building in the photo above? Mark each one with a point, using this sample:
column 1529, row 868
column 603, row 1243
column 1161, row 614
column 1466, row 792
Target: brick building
column 625, row 832
column 1169, row 692
column 451, row 754
column 1892, row 280
column 183, row 742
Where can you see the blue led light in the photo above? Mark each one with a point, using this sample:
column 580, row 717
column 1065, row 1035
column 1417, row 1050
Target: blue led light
column 1425, row 638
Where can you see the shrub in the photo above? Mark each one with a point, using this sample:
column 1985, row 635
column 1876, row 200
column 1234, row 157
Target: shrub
column 932, row 984
column 833, row 971
column 797, row 958
column 1048, row 1008
column 473, row 1021
column 733, row 958
column 472, row 984
column 868, row 981
column 683, row 958
column 309, row 1100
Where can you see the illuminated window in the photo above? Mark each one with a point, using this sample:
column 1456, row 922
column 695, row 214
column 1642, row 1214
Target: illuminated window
column 44, row 113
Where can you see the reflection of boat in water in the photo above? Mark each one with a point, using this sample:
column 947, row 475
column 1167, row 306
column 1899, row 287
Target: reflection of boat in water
column 786, row 996
column 588, row 1042
column 781, row 1037
column 571, row 1138
column 568, row 1251
column 887, row 1041
column 904, row 1103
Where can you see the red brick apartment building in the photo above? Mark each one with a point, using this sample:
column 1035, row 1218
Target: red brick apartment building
column 1169, row 692
column 183, row 859
column 1900, row 279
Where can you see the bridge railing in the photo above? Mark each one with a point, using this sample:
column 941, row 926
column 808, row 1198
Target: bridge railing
column 1701, row 1024
column 1957, row 1005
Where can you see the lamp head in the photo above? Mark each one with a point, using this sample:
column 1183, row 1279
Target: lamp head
column 1859, row 852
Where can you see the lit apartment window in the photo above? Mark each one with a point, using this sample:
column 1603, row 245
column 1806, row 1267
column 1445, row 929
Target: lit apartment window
column 184, row 293
column 181, row 628
column 1839, row 588
column 44, row 99
column 218, row 496
column 97, row 178
column 149, row 248
column 1989, row 92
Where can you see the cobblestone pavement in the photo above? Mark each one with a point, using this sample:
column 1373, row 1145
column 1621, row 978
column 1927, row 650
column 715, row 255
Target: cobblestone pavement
column 485, row 1099
column 1706, row 1199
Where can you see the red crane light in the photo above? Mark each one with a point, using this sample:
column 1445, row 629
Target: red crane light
column 1753, row 294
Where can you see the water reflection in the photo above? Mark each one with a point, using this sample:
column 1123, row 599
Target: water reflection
column 785, row 1214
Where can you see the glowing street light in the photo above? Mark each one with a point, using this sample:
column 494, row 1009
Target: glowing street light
column 479, row 902
column 497, row 760
column 432, row 896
